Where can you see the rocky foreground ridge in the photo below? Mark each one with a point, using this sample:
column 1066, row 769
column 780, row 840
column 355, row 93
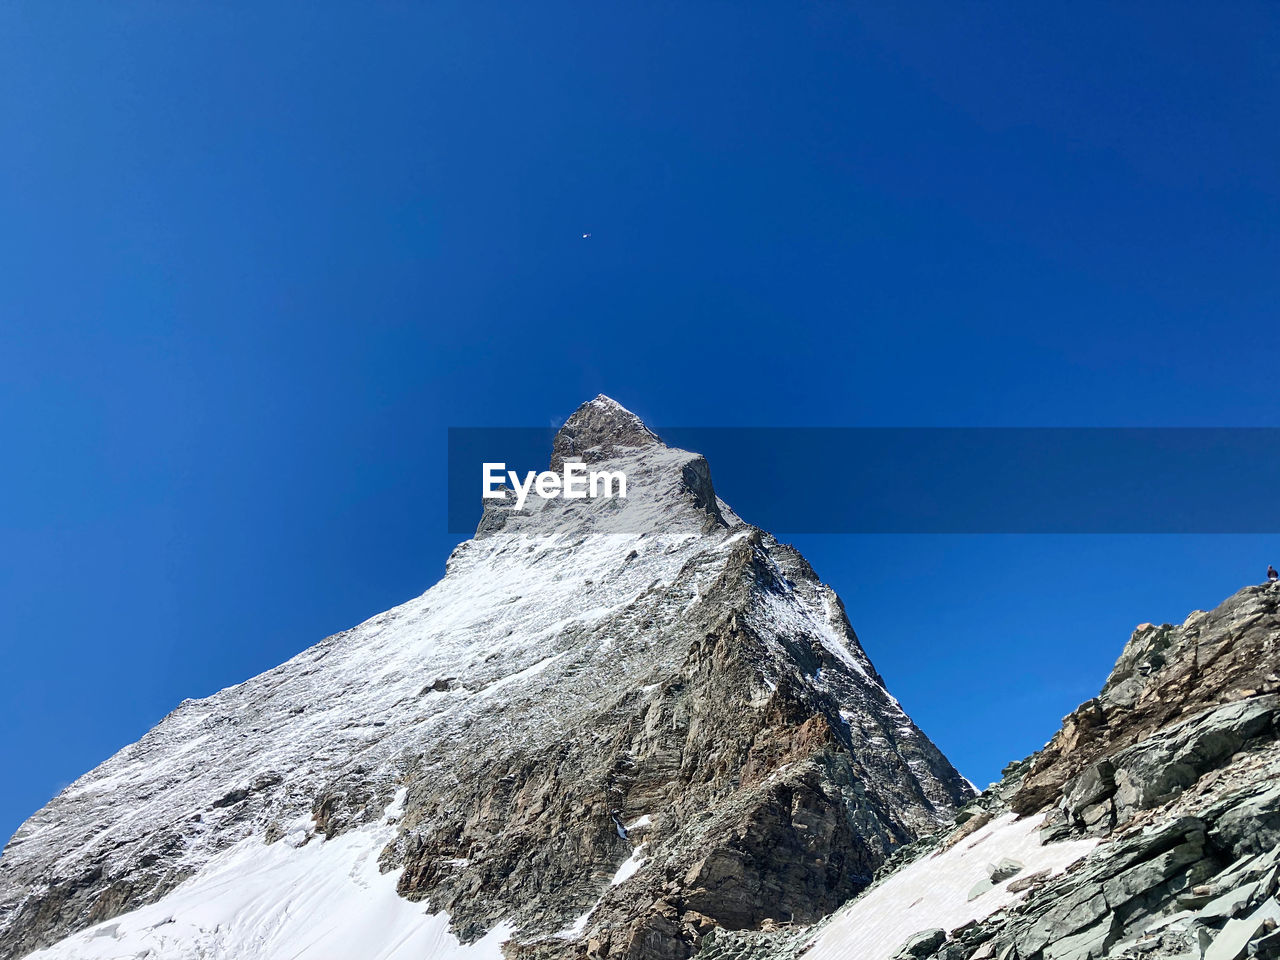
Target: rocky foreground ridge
column 1146, row 828
column 579, row 743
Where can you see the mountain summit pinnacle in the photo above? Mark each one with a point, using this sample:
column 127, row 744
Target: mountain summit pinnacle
column 661, row 486
column 596, row 429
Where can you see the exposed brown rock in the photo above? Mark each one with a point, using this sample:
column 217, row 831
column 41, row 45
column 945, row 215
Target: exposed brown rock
column 1165, row 674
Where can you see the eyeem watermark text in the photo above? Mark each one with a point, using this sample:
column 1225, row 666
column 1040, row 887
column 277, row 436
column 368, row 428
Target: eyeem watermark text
column 574, row 482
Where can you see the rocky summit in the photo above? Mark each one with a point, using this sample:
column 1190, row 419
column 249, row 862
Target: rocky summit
column 579, row 743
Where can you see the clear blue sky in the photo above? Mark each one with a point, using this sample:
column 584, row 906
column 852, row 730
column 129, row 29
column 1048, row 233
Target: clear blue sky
column 256, row 258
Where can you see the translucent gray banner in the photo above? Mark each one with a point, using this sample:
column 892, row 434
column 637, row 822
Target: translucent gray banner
column 943, row 480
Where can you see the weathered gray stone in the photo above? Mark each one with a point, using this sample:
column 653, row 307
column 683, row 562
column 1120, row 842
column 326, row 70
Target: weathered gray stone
column 1098, row 814
column 1055, row 831
column 1096, row 783
column 1150, row 874
column 1267, row 947
column 1229, row 904
column 1076, row 911
column 1234, row 939
column 1165, row 675
column 1193, row 900
column 1252, row 826
column 1246, row 868
column 922, row 944
column 1028, row 881
column 1269, row 885
column 1003, row 869
column 1181, row 917
column 1130, row 897
column 1084, row 945
column 1162, row 766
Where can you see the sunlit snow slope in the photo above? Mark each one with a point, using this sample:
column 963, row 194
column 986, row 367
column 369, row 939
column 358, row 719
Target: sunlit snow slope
column 934, row 891
column 321, row 901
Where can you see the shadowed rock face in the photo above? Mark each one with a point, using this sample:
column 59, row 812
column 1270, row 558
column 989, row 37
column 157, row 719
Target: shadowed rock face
column 564, row 706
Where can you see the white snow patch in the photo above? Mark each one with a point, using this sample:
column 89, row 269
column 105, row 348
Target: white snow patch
column 324, row 901
column 575, row 928
column 395, row 809
column 630, row 866
column 524, row 674
column 934, row 891
column 297, row 832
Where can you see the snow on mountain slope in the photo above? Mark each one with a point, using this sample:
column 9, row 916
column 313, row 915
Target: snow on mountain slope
column 689, row 676
column 318, row 902
column 933, row 892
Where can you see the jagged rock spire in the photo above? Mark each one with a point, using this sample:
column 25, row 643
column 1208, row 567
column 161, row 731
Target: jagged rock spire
column 596, row 429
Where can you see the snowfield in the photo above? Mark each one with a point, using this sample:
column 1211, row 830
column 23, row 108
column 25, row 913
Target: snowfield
column 934, row 891
column 322, row 901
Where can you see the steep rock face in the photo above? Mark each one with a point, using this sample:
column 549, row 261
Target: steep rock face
column 1148, row 826
column 597, row 743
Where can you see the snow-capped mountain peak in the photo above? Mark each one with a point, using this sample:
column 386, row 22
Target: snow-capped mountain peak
column 627, row 733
